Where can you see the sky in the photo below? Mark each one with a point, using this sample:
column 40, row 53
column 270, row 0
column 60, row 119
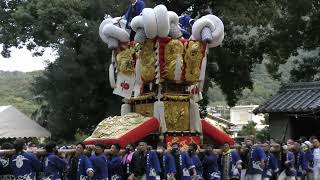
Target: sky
column 22, row 60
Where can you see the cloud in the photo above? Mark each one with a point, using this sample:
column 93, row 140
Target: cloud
column 22, row 60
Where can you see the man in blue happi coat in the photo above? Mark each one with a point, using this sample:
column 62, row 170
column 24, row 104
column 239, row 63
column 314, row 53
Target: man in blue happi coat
column 84, row 168
column 135, row 8
column 271, row 164
column 230, row 163
column 256, row 158
column 99, row 162
column 210, row 164
column 185, row 22
column 192, row 152
column 53, row 164
column 289, row 172
column 300, row 163
column 115, row 166
column 145, row 164
column 166, row 163
column 308, row 153
column 183, row 163
column 24, row 165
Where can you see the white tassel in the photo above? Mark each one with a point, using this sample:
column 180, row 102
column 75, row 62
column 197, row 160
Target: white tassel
column 200, row 96
column 125, row 109
column 138, row 80
column 203, row 65
column 195, row 124
column 177, row 72
column 159, row 114
column 203, row 70
column 112, row 80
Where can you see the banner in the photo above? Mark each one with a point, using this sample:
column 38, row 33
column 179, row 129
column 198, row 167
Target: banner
column 184, row 141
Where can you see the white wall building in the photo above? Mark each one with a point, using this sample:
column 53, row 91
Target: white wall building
column 242, row 115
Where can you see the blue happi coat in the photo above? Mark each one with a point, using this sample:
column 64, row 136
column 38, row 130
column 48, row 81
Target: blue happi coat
column 271, row 166
column 24, row 166
column 133, row 11
column 185, row 164
column 232, row 159
column 309, row 159
column 289, row 168
column 53, row 166
column 153, row 165
column 198, row 165
column 210, row 167
column 84, row 165
column 115, row 168
column 100, row 167
column 168, row 165
column 300, row 163
column 184, row 22
column 256, row 155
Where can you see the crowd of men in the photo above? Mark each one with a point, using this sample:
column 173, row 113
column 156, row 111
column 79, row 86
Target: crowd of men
column 249, row 161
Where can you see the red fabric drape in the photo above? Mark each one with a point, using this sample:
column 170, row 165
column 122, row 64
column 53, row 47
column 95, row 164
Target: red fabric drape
column 216, row 134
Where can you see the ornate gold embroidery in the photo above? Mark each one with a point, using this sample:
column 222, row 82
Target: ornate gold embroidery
column 172, row 51
column 147, row 59
column 125, row 63
column 113, row 127
column 177, row 116
column 193, row 59
column 144, row 109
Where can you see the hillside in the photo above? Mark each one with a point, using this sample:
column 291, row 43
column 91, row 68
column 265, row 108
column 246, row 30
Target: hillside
column 264, row 87
column 15, row 90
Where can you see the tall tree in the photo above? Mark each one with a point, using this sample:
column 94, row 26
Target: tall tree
column 297, row 27
column 74, row 90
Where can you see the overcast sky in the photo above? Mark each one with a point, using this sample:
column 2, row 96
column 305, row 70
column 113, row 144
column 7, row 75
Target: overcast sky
column 22, row 60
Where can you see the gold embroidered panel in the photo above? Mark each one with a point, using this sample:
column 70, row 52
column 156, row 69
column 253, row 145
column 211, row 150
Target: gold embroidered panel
column 177, row 116
column 144, row 109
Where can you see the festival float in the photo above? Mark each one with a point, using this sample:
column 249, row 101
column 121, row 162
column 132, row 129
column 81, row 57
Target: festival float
column 160, row 77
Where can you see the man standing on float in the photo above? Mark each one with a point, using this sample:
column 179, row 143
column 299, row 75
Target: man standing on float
column 134, row 9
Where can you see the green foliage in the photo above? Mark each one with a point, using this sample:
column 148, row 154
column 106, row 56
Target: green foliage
column 264, row 134
column 306, row 70
column 15, row 90
column 249, row 129
column 80, row 136
column 296, row 27
column 263, row 88
column 73, row 92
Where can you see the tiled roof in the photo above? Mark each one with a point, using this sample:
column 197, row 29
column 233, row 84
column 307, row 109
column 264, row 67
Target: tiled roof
column 294, row 98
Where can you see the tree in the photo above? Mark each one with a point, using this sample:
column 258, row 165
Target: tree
column 249, row 129
column 73, row 91
column 264, row 134
column 295, row 28
column 308, row 69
